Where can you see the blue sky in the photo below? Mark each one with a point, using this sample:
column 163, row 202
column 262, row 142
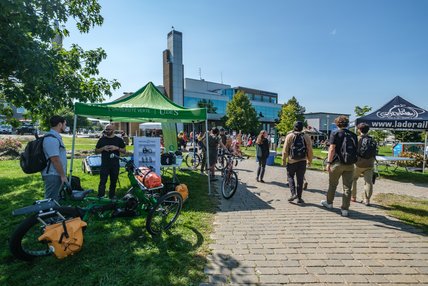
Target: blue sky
column 331, row 55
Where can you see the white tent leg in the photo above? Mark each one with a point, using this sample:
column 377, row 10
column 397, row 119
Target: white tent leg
column 425, row 153
column 72, row 148
column 208, row 157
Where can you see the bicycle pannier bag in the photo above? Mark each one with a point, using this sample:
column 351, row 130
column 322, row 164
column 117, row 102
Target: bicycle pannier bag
column 183, row 190
column 64, row 238
column 149, row 178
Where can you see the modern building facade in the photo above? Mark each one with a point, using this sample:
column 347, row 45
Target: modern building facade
column 322, row 121
column 264, row 102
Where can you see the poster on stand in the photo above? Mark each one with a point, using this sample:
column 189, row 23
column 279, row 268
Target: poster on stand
column 147, row 152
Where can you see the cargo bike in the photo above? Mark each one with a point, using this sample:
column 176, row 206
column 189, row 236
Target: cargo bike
column 160, row 208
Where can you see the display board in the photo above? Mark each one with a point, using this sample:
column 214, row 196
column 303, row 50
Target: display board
column 147, row 152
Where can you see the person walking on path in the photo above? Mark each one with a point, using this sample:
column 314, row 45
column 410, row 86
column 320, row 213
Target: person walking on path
column 296, row 153
column 262, row 152
column 54, row 175
column 342, row 154
column 367, row 149
column 107, row 145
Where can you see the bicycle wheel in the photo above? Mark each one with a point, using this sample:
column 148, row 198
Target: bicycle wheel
column 229, row 184
column 192, row 160
column 164, row 213
column 24, row 243
column 221, row 163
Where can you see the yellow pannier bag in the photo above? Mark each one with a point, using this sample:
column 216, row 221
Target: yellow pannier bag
column 64, row 238
column 183, row 190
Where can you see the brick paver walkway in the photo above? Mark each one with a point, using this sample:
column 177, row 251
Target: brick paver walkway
column 261, row 239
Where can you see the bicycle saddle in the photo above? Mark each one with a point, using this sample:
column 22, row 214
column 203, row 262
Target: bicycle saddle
column 79, row 195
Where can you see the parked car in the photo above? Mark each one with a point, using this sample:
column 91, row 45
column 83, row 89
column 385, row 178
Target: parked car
column 26, row 129
column 5, row 129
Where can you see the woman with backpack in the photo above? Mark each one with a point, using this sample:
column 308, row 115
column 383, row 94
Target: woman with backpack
column 262, row 152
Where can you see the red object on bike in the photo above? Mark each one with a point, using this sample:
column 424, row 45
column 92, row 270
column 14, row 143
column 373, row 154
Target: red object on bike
column 149, row 178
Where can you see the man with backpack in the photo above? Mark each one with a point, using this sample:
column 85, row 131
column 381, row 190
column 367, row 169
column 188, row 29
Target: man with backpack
column 296, row 153
column 342, row 155
column 367, row 149
column 54, row 174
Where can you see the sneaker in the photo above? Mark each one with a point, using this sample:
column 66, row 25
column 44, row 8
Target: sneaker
column 300, row 201
column 327, row 205
column 345, row 213
column 367, row 203
column 261, row 181
column 257, row 179
column 292, row 198
column 353, row 200
column 305, row 185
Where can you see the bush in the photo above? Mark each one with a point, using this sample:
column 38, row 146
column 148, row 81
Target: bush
column 418, row 162
column 10, row 144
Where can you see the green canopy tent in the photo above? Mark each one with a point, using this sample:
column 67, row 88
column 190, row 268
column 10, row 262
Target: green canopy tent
column 145, row 105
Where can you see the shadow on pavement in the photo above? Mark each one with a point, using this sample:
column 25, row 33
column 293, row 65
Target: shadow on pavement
column 244, row 200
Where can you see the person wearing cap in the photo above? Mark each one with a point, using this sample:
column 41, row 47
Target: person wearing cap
column 336, row 168
column 296, row 167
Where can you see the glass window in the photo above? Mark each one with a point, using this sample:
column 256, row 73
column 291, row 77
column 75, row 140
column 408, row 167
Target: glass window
column 258, row 98
column 20, row 110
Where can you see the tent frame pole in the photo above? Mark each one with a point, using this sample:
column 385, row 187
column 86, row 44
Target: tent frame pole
column 72, row 148
column 425, row 153
column 208, row 157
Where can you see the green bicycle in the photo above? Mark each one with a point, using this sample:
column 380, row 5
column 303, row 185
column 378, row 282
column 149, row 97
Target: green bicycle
column 160, row 209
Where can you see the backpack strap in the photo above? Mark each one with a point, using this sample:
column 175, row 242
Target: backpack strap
column 49, row 159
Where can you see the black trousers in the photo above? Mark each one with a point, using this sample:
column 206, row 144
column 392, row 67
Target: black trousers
column 297, row 169
column 262, row 167
column 113, row 172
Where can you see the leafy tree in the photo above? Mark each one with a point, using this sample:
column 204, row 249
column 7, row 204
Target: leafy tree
column 300, row 110
column 36, row 72
column 361, row 111
column 288, row 117
column 203, row 103
column 7, row 111
column 408, row 136
column 379, row 135
column 241, row 115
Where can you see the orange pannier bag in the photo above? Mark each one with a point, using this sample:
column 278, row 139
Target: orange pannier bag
column 149, row 178
column 64, row 238
column 183, row 190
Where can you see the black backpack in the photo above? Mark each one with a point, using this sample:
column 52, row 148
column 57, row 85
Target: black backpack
column 298, row 147
column 349, row 149
column 33, row 159
column 367, row 147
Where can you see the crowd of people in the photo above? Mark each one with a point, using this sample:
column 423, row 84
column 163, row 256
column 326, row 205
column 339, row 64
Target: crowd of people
column 348, row 158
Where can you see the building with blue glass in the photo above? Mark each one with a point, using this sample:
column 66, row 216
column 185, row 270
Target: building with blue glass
column 201, row 91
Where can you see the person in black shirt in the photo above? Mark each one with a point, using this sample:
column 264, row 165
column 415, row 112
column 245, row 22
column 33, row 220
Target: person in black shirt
column 262, row 151
column 106, row 145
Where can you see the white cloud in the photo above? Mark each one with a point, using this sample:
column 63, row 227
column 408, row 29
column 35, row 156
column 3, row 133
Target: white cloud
column 333, row 32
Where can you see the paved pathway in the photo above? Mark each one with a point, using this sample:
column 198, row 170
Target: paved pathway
column 261, row 239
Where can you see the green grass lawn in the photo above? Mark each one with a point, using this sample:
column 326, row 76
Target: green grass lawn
column 408, row 209
column 115, row 251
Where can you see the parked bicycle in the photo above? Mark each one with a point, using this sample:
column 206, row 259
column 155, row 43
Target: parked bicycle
column 160, row 209
column 193, row 159
column 230, row 177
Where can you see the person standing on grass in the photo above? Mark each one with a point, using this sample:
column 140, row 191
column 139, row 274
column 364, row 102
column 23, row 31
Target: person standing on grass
column 367, row 149
column 109, row 144
column 54, row 175
column 342, row 155
column 296, row 154
column 262, row 152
